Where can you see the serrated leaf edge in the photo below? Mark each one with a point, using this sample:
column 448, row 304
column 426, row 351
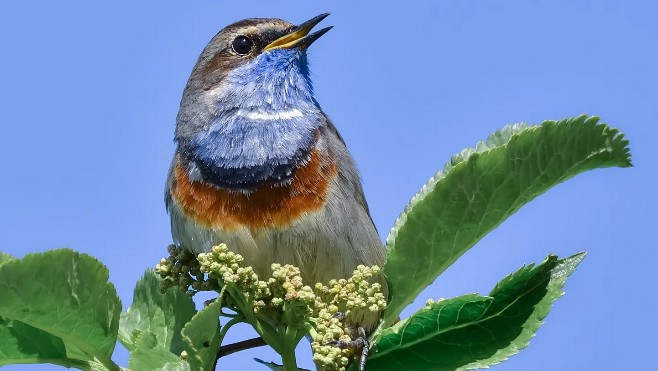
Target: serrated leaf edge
column 562, row 269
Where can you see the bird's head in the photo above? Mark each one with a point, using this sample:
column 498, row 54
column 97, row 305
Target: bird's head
column 248, row 107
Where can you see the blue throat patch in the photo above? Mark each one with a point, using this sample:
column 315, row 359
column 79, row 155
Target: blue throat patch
column 265, row 125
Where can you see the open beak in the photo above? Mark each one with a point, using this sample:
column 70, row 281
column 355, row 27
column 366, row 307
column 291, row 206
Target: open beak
column 299, row 36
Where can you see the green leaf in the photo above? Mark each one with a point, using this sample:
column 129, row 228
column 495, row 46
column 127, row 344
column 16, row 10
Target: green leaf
column 4, row 257
column 471, row 331
column 274, row 366
column 59, row 294
column 201, row 337
column 21, row 343
column 162, row 315
column 149, row 354
column 481, row 187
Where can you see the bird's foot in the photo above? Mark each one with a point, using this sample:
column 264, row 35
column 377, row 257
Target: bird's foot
column 360, row 342
column 339, row 315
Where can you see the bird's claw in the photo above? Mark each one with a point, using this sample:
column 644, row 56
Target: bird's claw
column 339, row 315
column 359, row 343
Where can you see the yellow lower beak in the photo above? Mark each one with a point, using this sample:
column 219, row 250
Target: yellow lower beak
column 299, row 36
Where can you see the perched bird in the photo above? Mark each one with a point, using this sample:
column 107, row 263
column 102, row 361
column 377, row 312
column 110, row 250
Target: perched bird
column 259, row 166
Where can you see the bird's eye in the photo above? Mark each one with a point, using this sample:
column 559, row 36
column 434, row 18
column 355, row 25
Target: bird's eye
column 242, row 45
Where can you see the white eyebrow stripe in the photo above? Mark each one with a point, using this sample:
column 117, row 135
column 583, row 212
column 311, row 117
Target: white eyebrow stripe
column 270, row 115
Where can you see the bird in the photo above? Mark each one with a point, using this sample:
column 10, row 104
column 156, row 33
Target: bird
column 259, row 166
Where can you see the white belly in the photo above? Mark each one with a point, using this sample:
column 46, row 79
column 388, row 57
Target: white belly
column 326, row 244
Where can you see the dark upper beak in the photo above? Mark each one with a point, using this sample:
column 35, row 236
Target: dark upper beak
column 299, row 36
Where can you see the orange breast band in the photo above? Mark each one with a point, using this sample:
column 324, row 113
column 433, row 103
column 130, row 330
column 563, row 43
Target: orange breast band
column 267, row 206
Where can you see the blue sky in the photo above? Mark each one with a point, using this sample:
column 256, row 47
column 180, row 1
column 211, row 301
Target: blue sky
column 90, row 92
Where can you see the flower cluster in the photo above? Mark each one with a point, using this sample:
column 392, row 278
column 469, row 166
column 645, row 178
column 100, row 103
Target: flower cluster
column 356, row 297
column 226, row 268
column 283, row 298
column 182, row 270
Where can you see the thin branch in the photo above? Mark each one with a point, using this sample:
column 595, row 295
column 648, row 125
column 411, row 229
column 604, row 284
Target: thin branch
column 240, row 345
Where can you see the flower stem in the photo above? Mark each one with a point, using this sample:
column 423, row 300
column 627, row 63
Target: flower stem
column 288, row 355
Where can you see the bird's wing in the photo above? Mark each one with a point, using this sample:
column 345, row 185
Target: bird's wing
column 348, row 171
